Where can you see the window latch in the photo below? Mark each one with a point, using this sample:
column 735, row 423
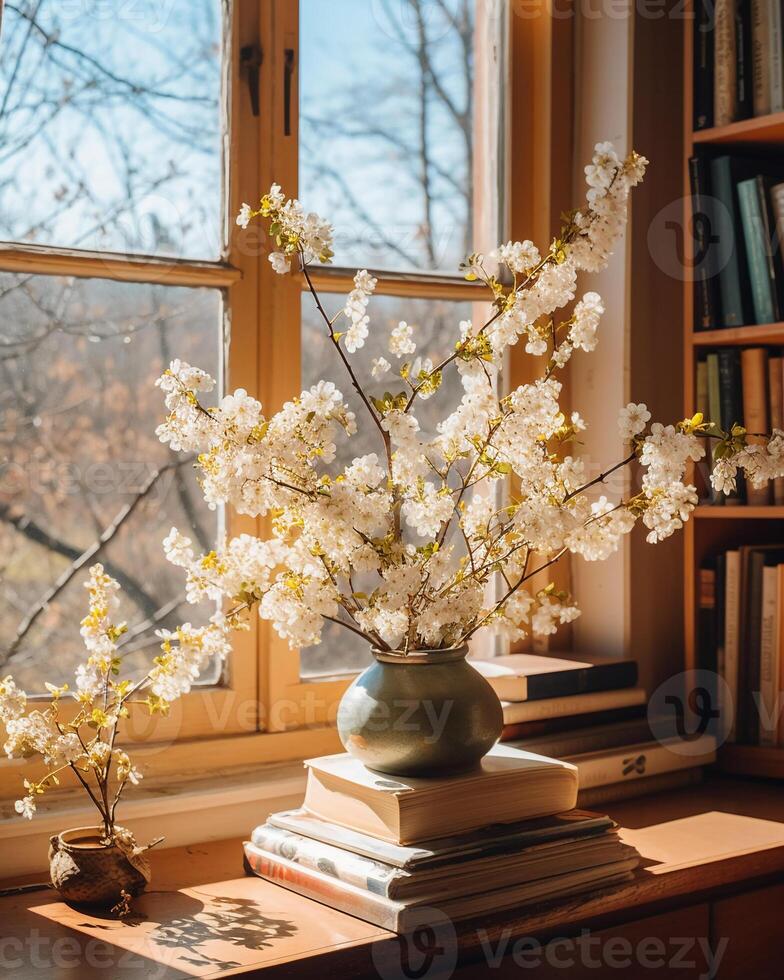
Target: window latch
column 251, row 58
column 288, row 71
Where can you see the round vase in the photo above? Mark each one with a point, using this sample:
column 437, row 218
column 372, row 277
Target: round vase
column 88, row 872
column 427, row 713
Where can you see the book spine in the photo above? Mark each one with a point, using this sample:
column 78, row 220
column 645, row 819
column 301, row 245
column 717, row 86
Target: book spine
column 321, row 888
column 749, row 680
column 760, row 56
column 703, row 65
column 762, row 289
column 776, row 394
column 731, row 638
column 714, row 413
column 733, row 313
column 701, row 404
column 777, row 208
column 770, row 241
column 599, row 677
column 731, row 404
column 598, row 796
column 769, row 676
column 584, row 740
column 635, row 762
column 724, row 63
column 706, row 619
column 776, row 81
column 754, row 369
column 743, row 55
column 780, row 656
column 704, row 286
column 575, row 704
column 721, row 577
column 361, row 872
column 552, row 726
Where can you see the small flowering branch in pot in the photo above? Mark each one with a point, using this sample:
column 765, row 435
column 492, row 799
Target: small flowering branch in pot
column 83, row 744
column 418, row 523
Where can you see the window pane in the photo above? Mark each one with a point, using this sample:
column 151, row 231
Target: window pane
column 110, row 126
column 78, row 362
column 386, row 128
column 436, row 329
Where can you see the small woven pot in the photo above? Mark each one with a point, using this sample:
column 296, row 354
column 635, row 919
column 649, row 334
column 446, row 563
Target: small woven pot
column 88, row 872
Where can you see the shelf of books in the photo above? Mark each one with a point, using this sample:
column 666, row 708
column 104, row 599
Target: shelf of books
column 734, row 368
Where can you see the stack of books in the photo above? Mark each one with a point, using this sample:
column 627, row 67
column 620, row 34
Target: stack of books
column 740, row 634
column 744, row 387
column 737, row 61
column 738, row 207
column 590, row 712
column 392, row 850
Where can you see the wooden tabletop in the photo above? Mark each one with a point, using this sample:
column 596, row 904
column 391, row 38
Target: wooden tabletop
column 202, row 917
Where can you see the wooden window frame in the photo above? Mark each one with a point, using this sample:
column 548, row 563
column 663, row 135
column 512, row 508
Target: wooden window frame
column 266, row 712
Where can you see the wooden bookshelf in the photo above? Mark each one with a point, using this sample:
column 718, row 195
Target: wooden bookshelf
column 763, row 333
column 719, row 528
column 764, row 130
column 724, row 512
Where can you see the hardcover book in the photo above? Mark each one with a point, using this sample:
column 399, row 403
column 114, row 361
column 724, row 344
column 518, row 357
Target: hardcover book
column 725, row 64
column 561, row 724
column 444, row 850
column 706, row 294
column 761, row 252
column 735, row 298
column 516, row 712
column 529, row 677
column 703, row 65
column 507, row 785
column 744, row 82
column 760, row 48
column 637, row 761
column 754, row 371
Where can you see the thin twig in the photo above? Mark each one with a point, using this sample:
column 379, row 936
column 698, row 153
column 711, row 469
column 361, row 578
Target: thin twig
column 87, row 556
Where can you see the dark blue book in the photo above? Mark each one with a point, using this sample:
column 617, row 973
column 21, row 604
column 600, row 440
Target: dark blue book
column 707, row 311
column 736, row 309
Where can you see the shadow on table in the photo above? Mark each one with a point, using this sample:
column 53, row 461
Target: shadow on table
column 181, row 931
column 233, row 922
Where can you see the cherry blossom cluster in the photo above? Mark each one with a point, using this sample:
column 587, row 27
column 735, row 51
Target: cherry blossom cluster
column 294, row 231
column 414, row 546
column 76, row 732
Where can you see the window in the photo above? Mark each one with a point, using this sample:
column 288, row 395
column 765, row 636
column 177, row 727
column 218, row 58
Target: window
column 130, row 137
column 388, row 150
column 111, row 202
column 386, row 129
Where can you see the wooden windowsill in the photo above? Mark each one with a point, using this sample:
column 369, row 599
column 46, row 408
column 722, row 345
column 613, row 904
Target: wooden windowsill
column 203, row 917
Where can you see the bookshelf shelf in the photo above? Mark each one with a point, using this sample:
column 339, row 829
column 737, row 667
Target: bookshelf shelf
column 763, row 333
column 766, row 130
column 739, row 513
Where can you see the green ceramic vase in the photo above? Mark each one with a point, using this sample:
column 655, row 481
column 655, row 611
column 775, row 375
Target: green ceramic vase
column 425, row 714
